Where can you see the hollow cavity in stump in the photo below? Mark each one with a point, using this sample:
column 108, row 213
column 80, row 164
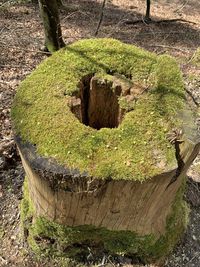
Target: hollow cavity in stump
column 102, row 101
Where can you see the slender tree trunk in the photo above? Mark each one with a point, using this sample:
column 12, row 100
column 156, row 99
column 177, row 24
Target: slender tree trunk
column 60, row 3
column 148, row 6
column 51, row 22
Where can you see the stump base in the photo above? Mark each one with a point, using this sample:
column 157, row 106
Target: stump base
column 52, row 239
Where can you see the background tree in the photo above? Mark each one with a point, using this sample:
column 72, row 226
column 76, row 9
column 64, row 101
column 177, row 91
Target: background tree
column 147, row 15
column 52, row 29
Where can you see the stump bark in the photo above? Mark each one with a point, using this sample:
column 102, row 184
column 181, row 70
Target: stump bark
column 116, row 205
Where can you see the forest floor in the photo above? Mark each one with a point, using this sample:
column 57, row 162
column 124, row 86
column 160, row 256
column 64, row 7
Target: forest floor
column 21, row 36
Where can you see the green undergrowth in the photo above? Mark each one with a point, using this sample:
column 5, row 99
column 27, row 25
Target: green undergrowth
column 49, row 239
column 42, row 117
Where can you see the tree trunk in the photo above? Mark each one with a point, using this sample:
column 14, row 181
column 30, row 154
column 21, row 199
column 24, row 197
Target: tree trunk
column 51, row 22
column 148, row 6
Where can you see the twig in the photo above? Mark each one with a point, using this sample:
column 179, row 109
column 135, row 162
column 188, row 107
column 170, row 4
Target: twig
column 192, row 57
column 182, row 6
column 4, row 146
column 196, row 254
column 160, row 32
column 4, row 3
column 101, row 18
column 195, row 186
column 3, row 261
column 167, row 46
column 111, row 262
column 12, row 66
column 193, row 98
column 27, row 50
column 120, row 21
column 163, row 40
column 132, row 22
column 70, row 15
column 175, row 20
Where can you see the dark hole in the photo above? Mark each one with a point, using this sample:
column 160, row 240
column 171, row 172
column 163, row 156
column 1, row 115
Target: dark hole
column 97, row 105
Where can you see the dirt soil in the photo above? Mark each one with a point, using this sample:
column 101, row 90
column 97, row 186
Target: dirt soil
column 21, row 35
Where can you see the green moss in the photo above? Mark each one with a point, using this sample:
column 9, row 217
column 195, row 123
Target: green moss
column 41, row 114
column 48, row 238
column 176, row 225
column 27, row 208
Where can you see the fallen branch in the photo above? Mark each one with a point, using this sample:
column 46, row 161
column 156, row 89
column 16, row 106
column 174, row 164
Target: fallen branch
column 132, row 22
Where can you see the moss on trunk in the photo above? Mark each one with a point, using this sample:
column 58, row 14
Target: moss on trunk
column 51, row 22
column 51, row 239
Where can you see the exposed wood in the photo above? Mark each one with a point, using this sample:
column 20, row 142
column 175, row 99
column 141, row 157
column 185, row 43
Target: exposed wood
column 97, row 103
column 103, row 106
column 116, row 205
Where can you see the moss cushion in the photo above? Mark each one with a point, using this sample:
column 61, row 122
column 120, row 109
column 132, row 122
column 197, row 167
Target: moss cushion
column 138, row 148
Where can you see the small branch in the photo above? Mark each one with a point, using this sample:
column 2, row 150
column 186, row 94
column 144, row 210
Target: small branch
column 101, row 18
column 26, row 50
column 170, row 47
column 174, row 20
column 132, row 22
column 196, row 255
column 193, row 98
column 181, row 7
column 4, row 146
column 12, row 66
column 192, row 57
column 4, row 3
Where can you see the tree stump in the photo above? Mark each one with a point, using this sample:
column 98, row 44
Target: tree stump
column 106, row 137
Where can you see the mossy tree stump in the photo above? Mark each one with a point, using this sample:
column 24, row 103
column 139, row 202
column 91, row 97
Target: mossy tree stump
column 91, row 126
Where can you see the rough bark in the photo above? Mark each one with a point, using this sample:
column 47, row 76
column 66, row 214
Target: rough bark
column 147, row 15
column 117, row 205
column 52, row 29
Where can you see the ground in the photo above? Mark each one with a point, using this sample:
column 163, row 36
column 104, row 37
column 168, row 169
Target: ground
column 21, row 38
